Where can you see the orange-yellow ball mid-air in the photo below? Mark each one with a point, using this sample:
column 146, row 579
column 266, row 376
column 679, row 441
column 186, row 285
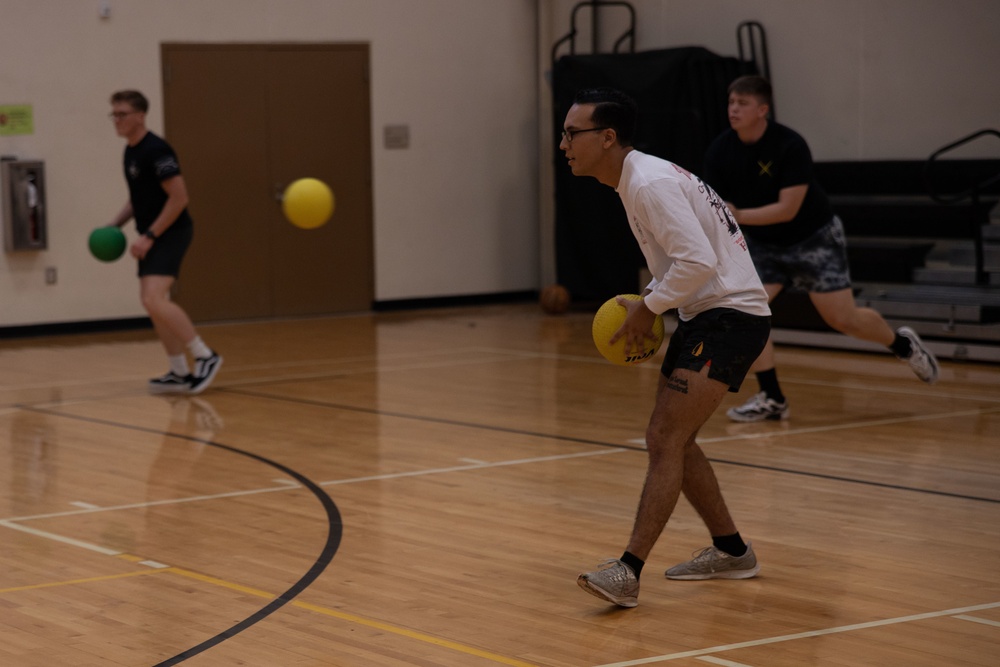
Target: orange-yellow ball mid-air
column 308, row 203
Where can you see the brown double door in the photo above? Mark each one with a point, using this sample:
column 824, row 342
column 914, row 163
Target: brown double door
column 246, row 120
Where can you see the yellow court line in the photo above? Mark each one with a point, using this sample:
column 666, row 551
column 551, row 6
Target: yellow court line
column 352, row 618
column 130, row 558
column 360, row 620
column 73, row 582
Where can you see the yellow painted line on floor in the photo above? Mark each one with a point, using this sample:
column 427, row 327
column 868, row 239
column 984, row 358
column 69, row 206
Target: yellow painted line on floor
column 74, row 582
column 156, row 567
column 326, row 611
column 360, row 620
column 130, row 558
column 208, row 579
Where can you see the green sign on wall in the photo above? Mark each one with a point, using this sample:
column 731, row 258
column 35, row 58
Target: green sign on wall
column 16, row 119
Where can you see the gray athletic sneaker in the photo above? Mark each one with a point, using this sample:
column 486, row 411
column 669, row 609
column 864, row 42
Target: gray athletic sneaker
column 759, row 408
column 711, row 563
column 921, row 360
column 614, row 581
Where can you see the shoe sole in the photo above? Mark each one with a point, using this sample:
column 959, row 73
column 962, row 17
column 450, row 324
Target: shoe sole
column 597, row 592
column 168, row 390
column 748, row 420
column 917, row 342
column 729, row 574
column 208, row 379
column 931, row 380
column 935, row 370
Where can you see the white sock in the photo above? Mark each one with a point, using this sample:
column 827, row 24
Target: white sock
column 179, row 365
column 198, row 348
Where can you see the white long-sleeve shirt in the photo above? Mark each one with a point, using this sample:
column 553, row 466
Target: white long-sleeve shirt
column 692, row 244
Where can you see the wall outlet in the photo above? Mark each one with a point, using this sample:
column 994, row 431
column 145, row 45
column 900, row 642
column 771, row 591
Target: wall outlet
column 397, row 136
column 50, row 275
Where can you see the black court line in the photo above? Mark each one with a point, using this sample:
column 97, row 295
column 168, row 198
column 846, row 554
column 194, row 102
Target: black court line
column 852, row 480
column 335, row 531
column 598, row 443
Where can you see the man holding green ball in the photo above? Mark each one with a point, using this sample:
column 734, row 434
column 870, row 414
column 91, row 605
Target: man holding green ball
column 158, row 201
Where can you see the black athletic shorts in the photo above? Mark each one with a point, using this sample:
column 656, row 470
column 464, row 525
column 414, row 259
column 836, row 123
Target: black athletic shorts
column 728, row 340
column 817, row 264
column 164, row 258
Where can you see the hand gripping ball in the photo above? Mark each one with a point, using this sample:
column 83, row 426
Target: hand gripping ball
column 107, row 243
column 608, row 320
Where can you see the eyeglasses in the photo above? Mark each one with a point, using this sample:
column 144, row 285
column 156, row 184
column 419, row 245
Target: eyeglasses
column 569, row 134
column 118, row 115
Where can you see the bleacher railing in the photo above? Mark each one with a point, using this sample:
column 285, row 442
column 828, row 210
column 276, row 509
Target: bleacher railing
column 595, row 7
column 971, row 194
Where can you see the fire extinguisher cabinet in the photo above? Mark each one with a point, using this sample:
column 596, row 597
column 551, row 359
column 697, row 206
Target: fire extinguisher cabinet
column 23, row 194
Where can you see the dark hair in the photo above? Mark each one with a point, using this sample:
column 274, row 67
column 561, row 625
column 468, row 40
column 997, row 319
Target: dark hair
column 757, row 86
column 613, row 109
column 133, row 98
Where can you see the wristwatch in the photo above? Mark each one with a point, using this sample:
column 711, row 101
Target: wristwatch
column 149, row 233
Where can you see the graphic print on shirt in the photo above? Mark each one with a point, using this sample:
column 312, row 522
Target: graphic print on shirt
column 681, row 170
column 133, row 170
column 641, row 235
column 723, row 213
column 166, row 166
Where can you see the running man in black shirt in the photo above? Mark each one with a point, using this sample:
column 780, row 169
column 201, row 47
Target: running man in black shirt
column 764, row 172
column 158, row 202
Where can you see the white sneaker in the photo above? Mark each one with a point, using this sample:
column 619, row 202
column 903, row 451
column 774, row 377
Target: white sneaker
column 921, row 360
column 758, row 409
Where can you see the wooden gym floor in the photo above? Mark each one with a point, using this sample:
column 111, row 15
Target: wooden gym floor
column 422, row 488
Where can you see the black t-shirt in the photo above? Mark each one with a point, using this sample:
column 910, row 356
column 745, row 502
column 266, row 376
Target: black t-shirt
column 751, row 175
column 147, row 165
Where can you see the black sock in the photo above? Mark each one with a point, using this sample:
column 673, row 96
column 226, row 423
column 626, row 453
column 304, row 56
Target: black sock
column 633, row 562
column 768, row 381
column 731, row 544
column 901, row 347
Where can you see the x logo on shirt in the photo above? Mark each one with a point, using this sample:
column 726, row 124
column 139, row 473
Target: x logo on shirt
column 765, row 168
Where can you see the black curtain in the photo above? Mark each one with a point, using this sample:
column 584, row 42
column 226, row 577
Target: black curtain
column 681, row 95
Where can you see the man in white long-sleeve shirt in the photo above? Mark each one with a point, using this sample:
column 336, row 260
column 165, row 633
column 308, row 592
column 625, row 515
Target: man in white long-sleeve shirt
column 700, row 266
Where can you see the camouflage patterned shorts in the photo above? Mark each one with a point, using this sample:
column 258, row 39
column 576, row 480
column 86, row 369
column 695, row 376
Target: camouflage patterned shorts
column 817, row 264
